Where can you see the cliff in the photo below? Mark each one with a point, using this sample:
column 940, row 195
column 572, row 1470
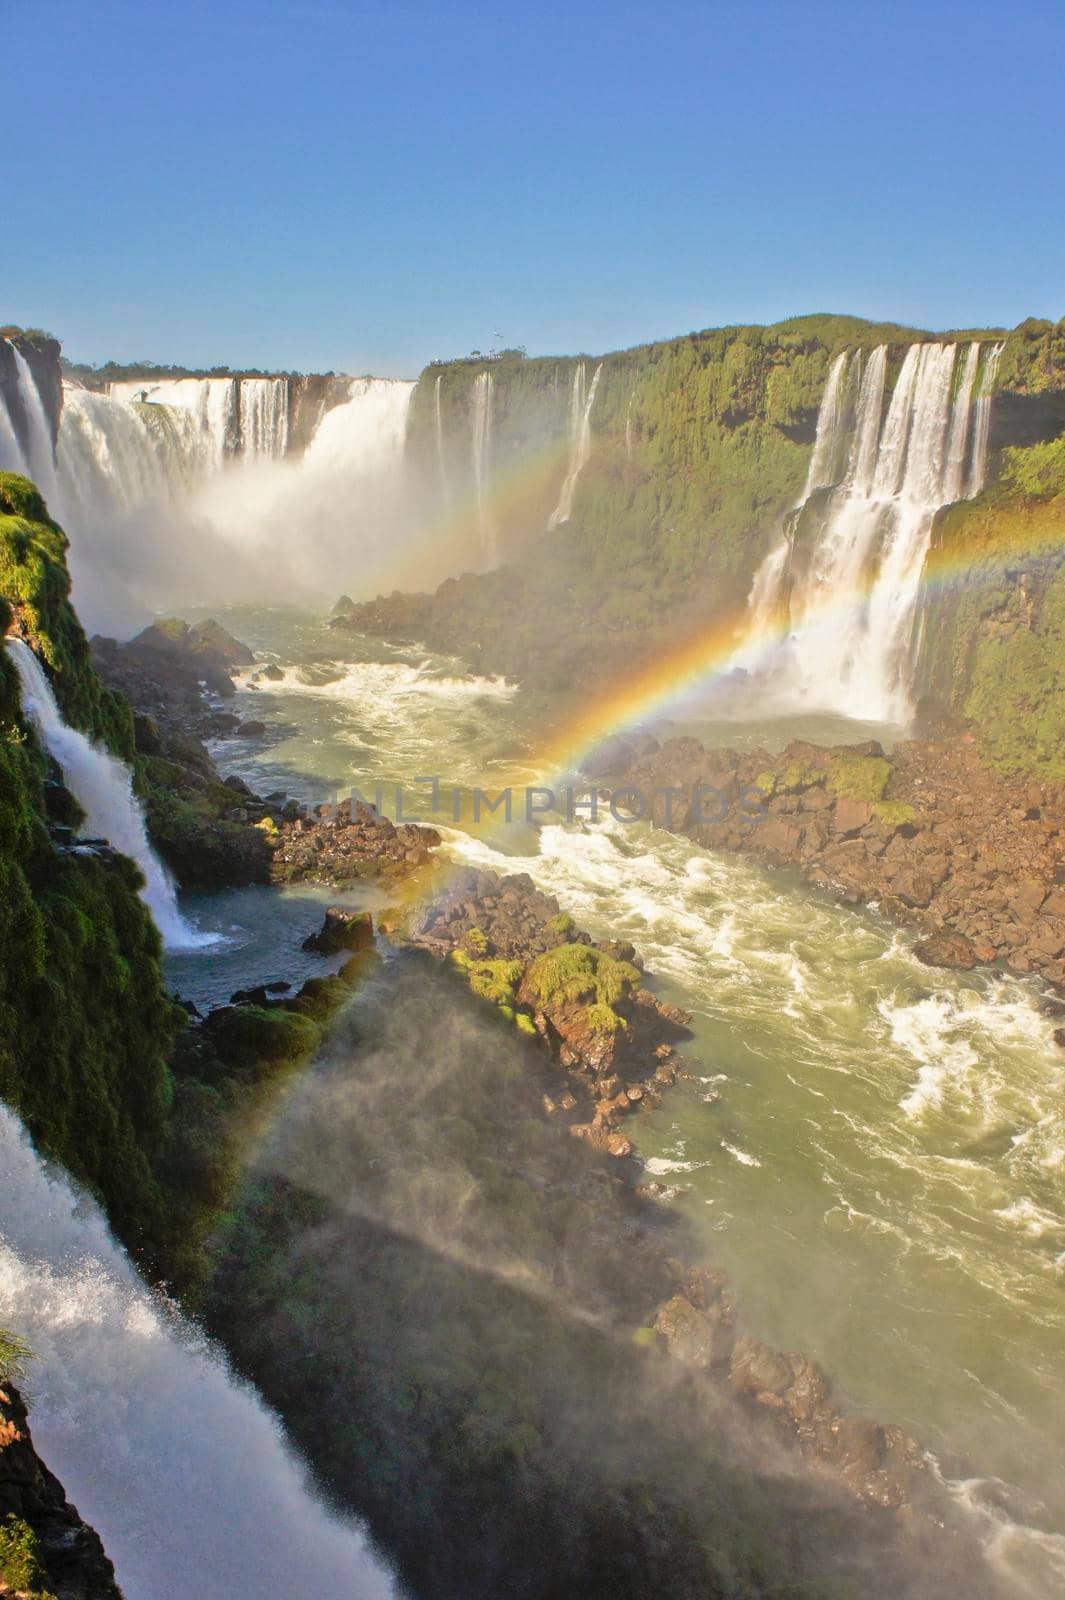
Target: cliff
column 85, row 1021
column 47, row 1552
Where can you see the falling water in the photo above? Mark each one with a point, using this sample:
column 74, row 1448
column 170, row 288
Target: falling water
column 978, row 469
column 580, row 446
column 103, row 788
column 108, row 457
column 38, row 462
column 206, row 412
column 850, row 566
column 263, row 418
column 181, row 1470
column 445, row 487
column 481, row 444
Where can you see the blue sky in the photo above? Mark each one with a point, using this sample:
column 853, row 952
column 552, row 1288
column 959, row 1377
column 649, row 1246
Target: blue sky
column 316, row 184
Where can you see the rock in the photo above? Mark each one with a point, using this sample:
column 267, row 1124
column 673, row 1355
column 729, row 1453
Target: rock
column 252, row 729
column 851, row 816
column 272, row 673
column 757, row 1369
column 73, row 1559
column 701, row 1337
column 946, row 950
column 341, row 930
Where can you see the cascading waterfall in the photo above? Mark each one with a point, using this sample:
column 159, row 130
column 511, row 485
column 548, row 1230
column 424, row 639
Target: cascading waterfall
column 108, row 457
column 181, row 1470
column 481, row 446
column 191, row 495
column 978, row 470
column 37, row 460
column 103, row 788
column 580, row 446
column 441, row 460
column 849, row 568
column 205, row 411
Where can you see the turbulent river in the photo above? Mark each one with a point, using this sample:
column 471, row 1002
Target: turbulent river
column 874, row 1150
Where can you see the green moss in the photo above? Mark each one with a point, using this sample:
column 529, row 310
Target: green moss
column 20, row 1560
column 35, row 581
column 561, row 924
column 601, row 1018
column 858, row 777
column 476, row 942
column 525, row 1024
column 894, row 813
column 579, row 972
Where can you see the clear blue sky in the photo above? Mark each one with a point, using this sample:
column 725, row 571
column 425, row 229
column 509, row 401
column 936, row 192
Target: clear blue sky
column 317, row 184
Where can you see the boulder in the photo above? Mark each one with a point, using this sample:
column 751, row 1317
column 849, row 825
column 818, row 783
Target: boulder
column 946, row 950
column 341, row 930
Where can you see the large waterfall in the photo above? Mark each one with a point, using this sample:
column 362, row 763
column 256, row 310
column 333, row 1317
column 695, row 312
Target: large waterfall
column 181, row 1470
column 188, row 492
column 849, row 568
column 103, row 788
column 582, row 399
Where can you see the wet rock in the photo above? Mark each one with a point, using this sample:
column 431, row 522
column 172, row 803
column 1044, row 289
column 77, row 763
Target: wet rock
column 757, row 1369
column 946, row 950
column 341, row 930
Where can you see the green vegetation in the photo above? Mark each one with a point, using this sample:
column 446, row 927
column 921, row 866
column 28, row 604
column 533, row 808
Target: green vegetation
column 992, row 637
column 14, row 1353
column 20, row 1560
column 858, row 777
column 580, row 972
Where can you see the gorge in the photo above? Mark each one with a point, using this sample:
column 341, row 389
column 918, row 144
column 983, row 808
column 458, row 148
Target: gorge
column 432, row 1212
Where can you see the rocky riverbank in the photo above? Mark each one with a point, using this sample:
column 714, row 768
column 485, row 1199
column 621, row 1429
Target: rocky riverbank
column 927, row 834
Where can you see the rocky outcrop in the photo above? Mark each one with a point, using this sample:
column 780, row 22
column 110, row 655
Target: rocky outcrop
column 588, row 1003
column 345, row 843
column 44, row 1544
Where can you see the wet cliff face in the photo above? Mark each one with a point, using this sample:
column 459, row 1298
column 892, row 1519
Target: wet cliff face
column 45, row 1547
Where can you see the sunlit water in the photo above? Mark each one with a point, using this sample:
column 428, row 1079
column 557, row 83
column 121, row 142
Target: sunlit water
column 873, row 1149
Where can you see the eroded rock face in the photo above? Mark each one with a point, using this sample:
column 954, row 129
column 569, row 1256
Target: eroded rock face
column 71, row 1555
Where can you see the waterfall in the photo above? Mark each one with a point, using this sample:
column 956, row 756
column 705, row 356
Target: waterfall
column 445, row 487
column 849, row 568
column 481, row 445
column 103, row 788
column 263, row 418
column 580, row 441
column 108, row 456
column 180, row 1468
column 205, row 411
column 37, row 459
column 978, row 469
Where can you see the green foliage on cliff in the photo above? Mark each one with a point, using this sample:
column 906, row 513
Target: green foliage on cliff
column 36, row 584
column 20, row 1560
column 85, row 1022
column 992, row 637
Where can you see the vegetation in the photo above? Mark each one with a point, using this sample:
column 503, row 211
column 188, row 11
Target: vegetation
column 993, row 635
column 858, row 777
column 20, row 1560
column 14, row 1353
